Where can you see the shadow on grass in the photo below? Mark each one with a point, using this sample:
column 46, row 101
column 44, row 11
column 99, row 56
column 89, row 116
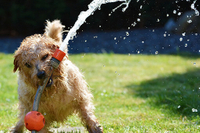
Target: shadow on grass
column 187, row 55
column 179, row 93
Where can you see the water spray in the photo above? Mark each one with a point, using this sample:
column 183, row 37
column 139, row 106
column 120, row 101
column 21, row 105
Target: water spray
column 92, row 7
column 34, row 120
column 194, row 8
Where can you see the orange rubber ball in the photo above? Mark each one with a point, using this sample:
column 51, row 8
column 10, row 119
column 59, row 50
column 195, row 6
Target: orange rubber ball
column 34, row 121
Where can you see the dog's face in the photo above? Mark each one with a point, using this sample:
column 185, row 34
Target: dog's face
column 32, row 58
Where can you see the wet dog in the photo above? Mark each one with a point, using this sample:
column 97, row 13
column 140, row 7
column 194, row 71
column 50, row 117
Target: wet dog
column 66, row 92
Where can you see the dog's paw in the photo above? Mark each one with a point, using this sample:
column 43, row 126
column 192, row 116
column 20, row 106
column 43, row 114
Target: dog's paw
column 13, row 130
column 99, row 129
column 95, row 129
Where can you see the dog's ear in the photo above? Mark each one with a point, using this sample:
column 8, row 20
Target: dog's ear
column 54, row 30
column 16, row 62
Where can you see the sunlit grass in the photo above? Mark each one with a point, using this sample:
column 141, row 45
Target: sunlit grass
column 132, row 93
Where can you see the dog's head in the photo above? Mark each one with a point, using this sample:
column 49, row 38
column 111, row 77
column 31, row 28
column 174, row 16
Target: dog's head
column 32, row 59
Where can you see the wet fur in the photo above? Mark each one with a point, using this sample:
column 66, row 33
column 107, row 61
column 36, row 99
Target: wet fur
column 69, row 92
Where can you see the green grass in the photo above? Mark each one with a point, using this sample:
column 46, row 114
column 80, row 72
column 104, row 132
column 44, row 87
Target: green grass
column 132, row 93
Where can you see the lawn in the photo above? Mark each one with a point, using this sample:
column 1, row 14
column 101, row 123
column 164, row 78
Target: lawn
column 132, row 93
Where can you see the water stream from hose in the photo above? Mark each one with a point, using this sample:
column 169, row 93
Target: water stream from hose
column 92, row 7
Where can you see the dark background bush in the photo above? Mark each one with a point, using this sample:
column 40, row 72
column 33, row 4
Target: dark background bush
column 22, row 17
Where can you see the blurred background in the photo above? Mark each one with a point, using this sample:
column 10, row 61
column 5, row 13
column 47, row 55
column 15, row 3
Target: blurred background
column 21, row 18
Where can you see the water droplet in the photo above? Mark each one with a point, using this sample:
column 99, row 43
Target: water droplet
column 189, row 21
column 156, row 52
column 179, row 13
column 7, row 99
column 194, row 63
column 115, row 71
column 138, row 19
column 194, row 110
column 181, row 39
column 186, row 45
column 127, row 34
column 167, row 15
column 183, row 34
column 142, row 41
column 134, row 24
column 158, row 20
column 174, row 11
column 179, row 106
column 85, row 40
column 115, row 38
column 164, row 35
column 138, row 52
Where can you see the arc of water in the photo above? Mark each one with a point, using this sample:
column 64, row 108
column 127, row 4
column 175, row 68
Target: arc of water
column 92, row 7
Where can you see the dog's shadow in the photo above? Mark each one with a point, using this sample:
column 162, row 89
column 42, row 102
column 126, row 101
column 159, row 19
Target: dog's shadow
column 177, row 93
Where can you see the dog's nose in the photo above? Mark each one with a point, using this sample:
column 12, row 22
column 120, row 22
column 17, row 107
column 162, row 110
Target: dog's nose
column 41, row 74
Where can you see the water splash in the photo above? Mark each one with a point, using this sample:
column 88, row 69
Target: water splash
column 92, row 7
column 194, row 8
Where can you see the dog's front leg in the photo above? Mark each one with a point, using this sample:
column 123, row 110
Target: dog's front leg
column 20, row 124
column 88, row 117
column 83, row 97
column 24, row 107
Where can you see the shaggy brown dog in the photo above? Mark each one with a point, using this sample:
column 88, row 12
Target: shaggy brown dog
column 65, row 93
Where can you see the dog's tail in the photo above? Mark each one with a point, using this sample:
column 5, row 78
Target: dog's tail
column 54, row 30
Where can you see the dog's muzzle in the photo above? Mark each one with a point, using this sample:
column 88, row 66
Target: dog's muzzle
column 42, row 75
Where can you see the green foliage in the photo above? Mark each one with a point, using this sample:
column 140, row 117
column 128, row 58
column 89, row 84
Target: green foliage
column 33, row 14
column 132, row 93
column 29, row 16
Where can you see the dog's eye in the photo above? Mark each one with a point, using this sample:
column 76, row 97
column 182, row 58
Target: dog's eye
column 44, row 57
column 28, row 65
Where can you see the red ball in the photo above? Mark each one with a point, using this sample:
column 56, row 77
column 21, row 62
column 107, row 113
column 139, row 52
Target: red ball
column 34, row 121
